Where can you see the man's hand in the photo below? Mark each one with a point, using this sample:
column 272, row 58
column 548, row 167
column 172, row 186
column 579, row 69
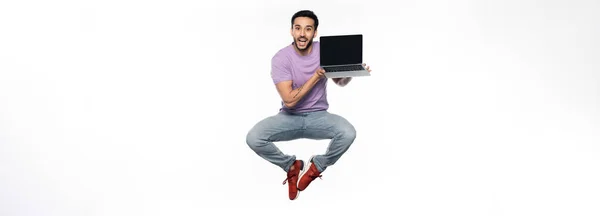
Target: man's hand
column 319, row 73
column 367, row 67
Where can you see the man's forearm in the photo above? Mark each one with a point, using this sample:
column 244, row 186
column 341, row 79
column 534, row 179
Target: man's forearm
column 298, row 93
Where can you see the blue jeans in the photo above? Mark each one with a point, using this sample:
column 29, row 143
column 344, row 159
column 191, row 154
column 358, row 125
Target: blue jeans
column 286, row 126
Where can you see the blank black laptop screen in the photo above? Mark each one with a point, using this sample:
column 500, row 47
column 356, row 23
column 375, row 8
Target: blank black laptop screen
column 340, row 50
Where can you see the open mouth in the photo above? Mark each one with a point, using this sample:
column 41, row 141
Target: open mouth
column 302, row 42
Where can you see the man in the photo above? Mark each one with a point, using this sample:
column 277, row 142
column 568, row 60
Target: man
column 301, row 85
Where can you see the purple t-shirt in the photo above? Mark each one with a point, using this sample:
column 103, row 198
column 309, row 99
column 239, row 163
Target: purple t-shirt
column 287, row 65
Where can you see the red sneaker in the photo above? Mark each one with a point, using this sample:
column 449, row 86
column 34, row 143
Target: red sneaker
column 292, row 179
column 308, row 176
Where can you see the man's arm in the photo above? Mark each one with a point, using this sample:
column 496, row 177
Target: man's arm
column 291, row 96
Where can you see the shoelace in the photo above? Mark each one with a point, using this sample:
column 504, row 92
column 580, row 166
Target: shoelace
column 288, row 178
column 313, row 177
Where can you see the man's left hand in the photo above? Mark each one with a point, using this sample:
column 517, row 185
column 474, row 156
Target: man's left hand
column 367, row 67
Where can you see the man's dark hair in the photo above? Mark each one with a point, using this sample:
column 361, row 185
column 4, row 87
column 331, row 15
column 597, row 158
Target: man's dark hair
column 306, row 13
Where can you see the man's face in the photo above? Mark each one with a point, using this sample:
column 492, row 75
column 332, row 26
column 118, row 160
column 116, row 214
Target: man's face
column 303, row 32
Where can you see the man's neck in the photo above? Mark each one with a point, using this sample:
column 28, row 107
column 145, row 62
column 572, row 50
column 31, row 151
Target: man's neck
column 305, row 52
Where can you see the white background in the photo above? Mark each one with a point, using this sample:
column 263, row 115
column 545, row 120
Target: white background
column 142, row 108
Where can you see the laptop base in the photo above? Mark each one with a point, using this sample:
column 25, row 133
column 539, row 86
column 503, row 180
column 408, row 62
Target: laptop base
column 343, row 74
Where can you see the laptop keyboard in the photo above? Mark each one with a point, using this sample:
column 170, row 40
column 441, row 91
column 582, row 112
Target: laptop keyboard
column 343, row 68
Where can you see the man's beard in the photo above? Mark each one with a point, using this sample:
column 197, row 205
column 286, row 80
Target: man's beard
column 308, row 43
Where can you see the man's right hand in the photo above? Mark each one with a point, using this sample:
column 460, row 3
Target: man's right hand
column 320, row 73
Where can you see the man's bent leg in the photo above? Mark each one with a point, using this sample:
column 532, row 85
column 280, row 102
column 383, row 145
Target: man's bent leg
column 325, row 125
column 279, row 127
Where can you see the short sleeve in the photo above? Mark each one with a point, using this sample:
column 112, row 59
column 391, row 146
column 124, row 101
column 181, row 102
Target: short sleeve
column 280, row 69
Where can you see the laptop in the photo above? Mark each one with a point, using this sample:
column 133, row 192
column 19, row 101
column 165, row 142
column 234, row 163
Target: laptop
column 341, row 56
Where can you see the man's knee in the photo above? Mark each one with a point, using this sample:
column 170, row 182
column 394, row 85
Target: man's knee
column 348, row 133
column 252, row 139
